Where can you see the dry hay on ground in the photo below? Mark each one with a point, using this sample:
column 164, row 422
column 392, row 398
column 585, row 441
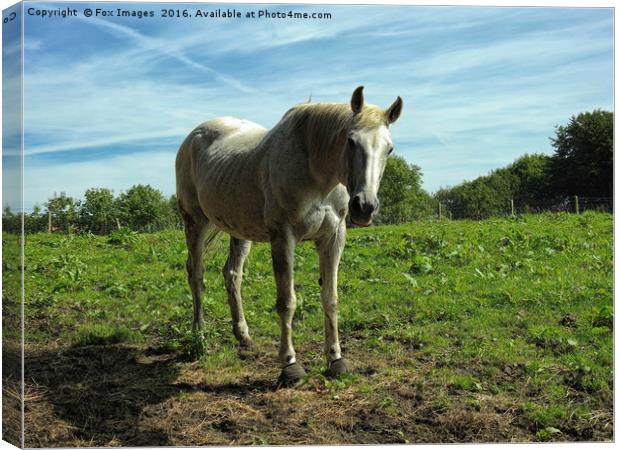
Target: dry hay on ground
column 122, row 395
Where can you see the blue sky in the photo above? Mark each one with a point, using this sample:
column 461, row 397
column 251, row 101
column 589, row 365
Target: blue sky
column 108, row 100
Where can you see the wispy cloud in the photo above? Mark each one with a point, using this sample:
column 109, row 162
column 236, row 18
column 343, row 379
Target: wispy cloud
column 481, row 85
column 81, row 144
column 118, row 172
column 170, row 48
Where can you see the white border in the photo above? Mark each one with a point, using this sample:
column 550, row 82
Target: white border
column 513, row 3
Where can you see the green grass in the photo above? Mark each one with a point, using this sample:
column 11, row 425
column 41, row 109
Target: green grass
column 521, row 308
column 103, row 334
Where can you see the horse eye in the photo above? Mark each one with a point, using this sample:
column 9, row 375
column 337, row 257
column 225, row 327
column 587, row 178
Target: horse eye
column 351, row 143
column 390, row 150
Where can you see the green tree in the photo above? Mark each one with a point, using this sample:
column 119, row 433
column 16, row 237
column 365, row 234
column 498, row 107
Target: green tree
column 533, row 178
column 583, row 159
column 36, row 221
column 64, row 210
column 97, row 212
column 523, row 181
column 401, row 195
column 143, row 208
column 11, row 222
column 174, row 211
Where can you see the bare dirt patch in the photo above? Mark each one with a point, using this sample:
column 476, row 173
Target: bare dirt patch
column 128, row 395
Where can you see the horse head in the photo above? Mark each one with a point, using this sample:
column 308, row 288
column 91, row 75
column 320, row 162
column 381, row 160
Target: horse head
column 369, row 143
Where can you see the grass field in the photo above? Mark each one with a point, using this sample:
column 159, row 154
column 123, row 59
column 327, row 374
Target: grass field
column 459, row 331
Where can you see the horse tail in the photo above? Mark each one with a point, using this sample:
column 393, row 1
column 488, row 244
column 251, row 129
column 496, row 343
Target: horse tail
column 210, row 236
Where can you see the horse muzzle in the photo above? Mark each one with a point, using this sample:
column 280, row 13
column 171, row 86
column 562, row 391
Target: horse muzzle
column 362, row 210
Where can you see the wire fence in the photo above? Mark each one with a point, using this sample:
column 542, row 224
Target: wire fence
column 574, row 204
column 47, row 222
column 73, row 224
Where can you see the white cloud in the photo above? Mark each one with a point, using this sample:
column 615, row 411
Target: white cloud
column 482, row 102
column 166, row 47
column 120, row 172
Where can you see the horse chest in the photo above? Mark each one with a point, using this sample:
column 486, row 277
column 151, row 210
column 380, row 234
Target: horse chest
column 318, row 220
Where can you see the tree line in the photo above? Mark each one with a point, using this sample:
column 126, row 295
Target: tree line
column 144, row 208
column 582, row 165
column 140, row 208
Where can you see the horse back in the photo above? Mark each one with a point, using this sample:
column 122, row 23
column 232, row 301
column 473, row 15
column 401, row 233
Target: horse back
column 216, row 139
column 218, row 170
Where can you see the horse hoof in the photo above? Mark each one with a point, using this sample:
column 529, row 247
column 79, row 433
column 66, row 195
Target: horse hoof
column 247, row 350
column 198, row 325
column 291, row 375
column 246, row 344
column 338, row 367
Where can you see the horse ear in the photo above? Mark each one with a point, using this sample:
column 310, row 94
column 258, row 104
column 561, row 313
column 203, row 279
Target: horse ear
column 357, row 99
column 393, row 112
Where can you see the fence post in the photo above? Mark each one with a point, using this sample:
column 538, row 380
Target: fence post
column 576, row 204
column 49, row 221
column 118, row 224
column 439, row 203
column 512, row 207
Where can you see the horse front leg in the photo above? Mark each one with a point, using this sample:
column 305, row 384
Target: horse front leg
column 282, row 255
column 330, row 251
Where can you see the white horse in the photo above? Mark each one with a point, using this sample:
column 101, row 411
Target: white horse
column 294, row 182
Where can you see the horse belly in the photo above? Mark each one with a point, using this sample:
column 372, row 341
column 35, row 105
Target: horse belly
column 241, row 227
column 235, row 207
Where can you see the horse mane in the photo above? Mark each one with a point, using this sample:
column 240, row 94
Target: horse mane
column 323, row 125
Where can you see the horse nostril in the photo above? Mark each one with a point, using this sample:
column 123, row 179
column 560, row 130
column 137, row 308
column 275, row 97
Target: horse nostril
column 356, row 205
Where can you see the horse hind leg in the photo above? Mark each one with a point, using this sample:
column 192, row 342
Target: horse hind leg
column 233, row 276
column 196, row 228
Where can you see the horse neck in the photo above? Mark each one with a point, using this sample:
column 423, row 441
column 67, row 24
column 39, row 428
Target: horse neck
column 328, row 167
